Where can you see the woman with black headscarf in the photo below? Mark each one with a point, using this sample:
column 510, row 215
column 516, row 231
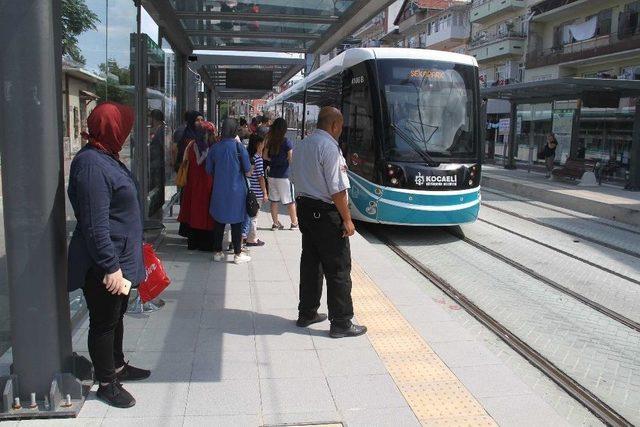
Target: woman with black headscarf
column 195, row 222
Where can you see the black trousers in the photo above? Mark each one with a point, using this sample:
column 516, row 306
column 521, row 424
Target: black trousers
column 324, row 253
column 105, row 328
column 236, row 237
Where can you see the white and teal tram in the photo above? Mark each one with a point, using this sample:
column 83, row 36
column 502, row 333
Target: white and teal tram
column 412, row 134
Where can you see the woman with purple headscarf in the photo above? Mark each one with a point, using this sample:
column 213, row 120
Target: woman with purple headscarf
column 195, row 222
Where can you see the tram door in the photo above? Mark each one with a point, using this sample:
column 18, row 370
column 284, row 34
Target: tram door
column 358, row 139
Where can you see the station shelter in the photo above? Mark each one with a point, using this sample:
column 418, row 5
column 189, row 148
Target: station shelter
column 166, row 55
column 570, row 103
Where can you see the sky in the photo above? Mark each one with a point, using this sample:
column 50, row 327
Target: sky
column 122, row 22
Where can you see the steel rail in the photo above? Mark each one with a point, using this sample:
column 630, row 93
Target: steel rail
column 563, row 230
column 588, row 302
column 581, row 394
column 563, row 252
column 549, row 208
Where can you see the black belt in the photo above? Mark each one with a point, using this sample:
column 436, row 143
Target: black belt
column 316, row 204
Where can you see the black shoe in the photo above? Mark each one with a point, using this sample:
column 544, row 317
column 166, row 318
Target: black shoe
column 303, row 322
column 115, row 395
column 351, row 331
column 131, row 373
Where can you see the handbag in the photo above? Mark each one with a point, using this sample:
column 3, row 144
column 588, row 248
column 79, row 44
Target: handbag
column 253, row 207
column 183, row 171
column 156, row 279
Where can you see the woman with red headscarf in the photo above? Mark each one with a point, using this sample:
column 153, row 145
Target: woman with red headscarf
column 106, row 246
column 195, row 222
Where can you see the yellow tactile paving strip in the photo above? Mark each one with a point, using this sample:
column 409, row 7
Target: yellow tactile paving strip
column 433, row 392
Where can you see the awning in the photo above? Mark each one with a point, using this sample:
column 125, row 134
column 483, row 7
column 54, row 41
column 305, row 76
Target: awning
column 589, row 90
column 291, row 26
column 87, row 94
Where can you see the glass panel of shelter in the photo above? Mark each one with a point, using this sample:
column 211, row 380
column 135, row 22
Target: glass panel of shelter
column 283, row 7
column 256, row 26
column 208, row 42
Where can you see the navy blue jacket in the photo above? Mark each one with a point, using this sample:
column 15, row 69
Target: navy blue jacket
column 108, row 235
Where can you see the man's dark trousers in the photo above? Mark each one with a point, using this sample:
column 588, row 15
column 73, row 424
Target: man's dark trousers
column 324, row 252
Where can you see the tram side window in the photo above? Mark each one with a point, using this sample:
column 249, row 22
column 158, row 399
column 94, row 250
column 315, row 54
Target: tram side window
column 357, row 109
column 321, row 94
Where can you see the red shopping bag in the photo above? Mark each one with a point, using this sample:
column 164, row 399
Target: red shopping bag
column 156, row 278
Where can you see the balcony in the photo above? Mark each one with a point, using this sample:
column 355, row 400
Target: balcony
column 625, row 40
column 484, row 10
column 447, row 36
column 504, row 43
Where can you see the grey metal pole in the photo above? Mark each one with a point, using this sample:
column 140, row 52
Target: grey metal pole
column 511, row 161
column 634, row 158
column 33, row 192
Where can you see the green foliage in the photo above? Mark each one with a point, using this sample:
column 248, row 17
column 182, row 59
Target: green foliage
column 118, row 81
column 76, row 19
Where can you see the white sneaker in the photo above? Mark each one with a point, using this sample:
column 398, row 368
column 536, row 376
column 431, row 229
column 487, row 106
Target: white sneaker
column 242, row 258
column 219, row 257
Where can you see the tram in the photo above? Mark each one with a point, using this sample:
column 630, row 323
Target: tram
column 412, row 134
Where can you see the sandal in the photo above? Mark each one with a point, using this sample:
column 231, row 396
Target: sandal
column 256, row 243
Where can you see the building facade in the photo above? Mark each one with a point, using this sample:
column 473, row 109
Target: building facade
column 587, row 39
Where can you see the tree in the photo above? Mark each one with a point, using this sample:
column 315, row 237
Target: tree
column 118, row 81
column 76, row 19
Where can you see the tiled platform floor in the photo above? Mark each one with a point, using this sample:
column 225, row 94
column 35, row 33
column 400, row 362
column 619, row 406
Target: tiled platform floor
column 225, row 351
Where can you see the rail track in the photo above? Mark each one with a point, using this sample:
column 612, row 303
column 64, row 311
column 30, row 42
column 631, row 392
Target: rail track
column 583, row 395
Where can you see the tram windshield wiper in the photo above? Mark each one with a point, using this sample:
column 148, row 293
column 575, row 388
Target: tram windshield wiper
column 423, row 154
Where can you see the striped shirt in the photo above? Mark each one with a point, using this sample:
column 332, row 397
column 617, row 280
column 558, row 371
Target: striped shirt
column 254, row 179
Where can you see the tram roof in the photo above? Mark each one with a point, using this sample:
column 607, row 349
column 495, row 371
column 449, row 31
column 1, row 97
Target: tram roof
column 354, row 56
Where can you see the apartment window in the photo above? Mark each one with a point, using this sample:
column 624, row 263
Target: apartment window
column 429, row 25
column 603, row 26
column 562, row 35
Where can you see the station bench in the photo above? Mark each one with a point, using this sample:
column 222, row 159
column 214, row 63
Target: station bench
column 574, row 169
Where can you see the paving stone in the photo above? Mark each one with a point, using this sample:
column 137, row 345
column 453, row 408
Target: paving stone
column 524, row 410
column 137, row 422
column 311, row 417
column 295, row 395
column 154, row 399
column 168, row 339
column 464, row 353
column 350, row 362
column 222, row 421
column 214, row 366
column 366, row 392
column 289, row 364
column 397, row 417
column 226, row 397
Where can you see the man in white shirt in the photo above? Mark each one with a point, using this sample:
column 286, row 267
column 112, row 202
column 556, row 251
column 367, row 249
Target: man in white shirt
column 319, row 172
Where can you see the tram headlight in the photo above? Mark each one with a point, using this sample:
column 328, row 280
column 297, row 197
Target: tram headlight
column 393, row 175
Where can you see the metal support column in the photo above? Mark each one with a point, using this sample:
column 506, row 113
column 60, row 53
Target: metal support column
column 34, row 213
column 634, row 161
column 209, row 104
column 575, row 131
column 511, row 149
column 181, row 85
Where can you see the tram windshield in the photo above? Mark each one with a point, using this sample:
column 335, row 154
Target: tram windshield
column 429, row 109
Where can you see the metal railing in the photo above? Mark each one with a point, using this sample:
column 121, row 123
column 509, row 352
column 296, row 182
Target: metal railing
column 487, row 37
column 596, row 46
